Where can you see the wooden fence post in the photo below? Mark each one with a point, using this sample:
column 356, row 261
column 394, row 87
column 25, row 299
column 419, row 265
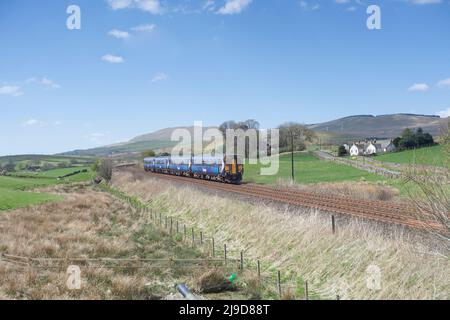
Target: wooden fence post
column 306, row 291
column 213, row 248
column 193, row 238
column 258, row 266
column 333, row 224
column 279, row 283
column 178, row 228
column 185, row 232
column 225, row 253
column 242, row 260
column 171, row 226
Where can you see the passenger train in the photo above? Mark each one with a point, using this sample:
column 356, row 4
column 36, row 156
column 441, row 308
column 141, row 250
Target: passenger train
column 209, row 168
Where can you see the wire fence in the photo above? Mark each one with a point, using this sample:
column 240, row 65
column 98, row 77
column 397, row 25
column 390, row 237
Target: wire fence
column 276, row 284
column 283, row 286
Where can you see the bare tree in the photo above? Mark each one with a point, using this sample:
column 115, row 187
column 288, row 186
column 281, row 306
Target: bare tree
column 294, row 135
column 105, row 169
column 432, row 201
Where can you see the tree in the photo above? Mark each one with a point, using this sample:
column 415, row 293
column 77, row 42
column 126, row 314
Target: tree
column 105, row 169
column 298, row 133
column 432, row 198
column 95, row 165
column 408, row 139
column 342, row 152
column 411, row 139
column 148, row 154
column 295, row 134
column 396, row 142
column 62, row 165
column 10, row 166
column 250, row 124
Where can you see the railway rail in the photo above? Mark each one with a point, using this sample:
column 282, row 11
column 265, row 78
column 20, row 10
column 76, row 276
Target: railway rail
column 392, row 213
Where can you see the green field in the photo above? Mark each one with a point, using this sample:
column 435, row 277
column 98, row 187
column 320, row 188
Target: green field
column 13, row 199
column 21, row 161
column 309, row 169
column 429, row 156
column 15, row 192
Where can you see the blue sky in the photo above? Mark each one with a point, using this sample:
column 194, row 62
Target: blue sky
column 140, row 65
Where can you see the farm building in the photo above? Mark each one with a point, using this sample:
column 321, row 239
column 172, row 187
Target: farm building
column 369, row 147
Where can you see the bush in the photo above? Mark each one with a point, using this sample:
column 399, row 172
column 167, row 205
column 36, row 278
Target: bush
column 342, row 152
column 413, row 139
column 148, row 154
column 105, row 169
column 9, row 167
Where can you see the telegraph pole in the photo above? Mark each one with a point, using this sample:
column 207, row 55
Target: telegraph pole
column 292, row 156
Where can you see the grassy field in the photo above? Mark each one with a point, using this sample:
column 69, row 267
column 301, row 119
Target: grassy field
column 13, row 193
column 12, row 199
column 301, row 245
column 93, row 224
column 309, row 169
column 429, row 156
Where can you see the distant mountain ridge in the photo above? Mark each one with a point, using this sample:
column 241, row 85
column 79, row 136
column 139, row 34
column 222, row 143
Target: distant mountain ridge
column 340, row 130
column 382, row 126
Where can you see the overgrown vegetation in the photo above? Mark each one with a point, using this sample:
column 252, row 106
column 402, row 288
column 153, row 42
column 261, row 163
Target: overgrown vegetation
column 432, row 202
column 413, row 139
column 91, row 224
column 301, row 244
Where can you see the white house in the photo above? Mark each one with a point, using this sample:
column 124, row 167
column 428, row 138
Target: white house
column 354, row 150
column 369, row 148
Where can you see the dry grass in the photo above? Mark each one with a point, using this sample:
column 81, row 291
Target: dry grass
column 87, row 224
column 301, row 243
column 212, row 281
column 356, row 190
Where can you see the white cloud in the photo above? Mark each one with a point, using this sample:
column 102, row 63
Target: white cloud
column 96, row 137
column 161, row 76
column 144, row 28
column 152, row 6
column 119, row 34
column 425, row 1
column 112, row 59
column 234, row 6
column 444, row 83
column 420, row 87
column 119, row 4
column 307, row 6
column 13, row 91
column 444, row 113
column 342, row 1
column 46, row 82
column 49, row 83
column 33, row 123
column 209, row 5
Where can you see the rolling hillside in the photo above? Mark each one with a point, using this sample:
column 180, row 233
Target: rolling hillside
column 384, row 126
column 334, row 132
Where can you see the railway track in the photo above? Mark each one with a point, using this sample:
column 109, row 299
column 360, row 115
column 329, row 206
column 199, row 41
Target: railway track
column 392, row 213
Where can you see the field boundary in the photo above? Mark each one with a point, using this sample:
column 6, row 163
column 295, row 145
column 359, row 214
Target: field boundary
column 274, row 280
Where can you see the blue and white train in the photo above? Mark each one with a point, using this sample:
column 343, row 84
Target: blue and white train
column 209, row 168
